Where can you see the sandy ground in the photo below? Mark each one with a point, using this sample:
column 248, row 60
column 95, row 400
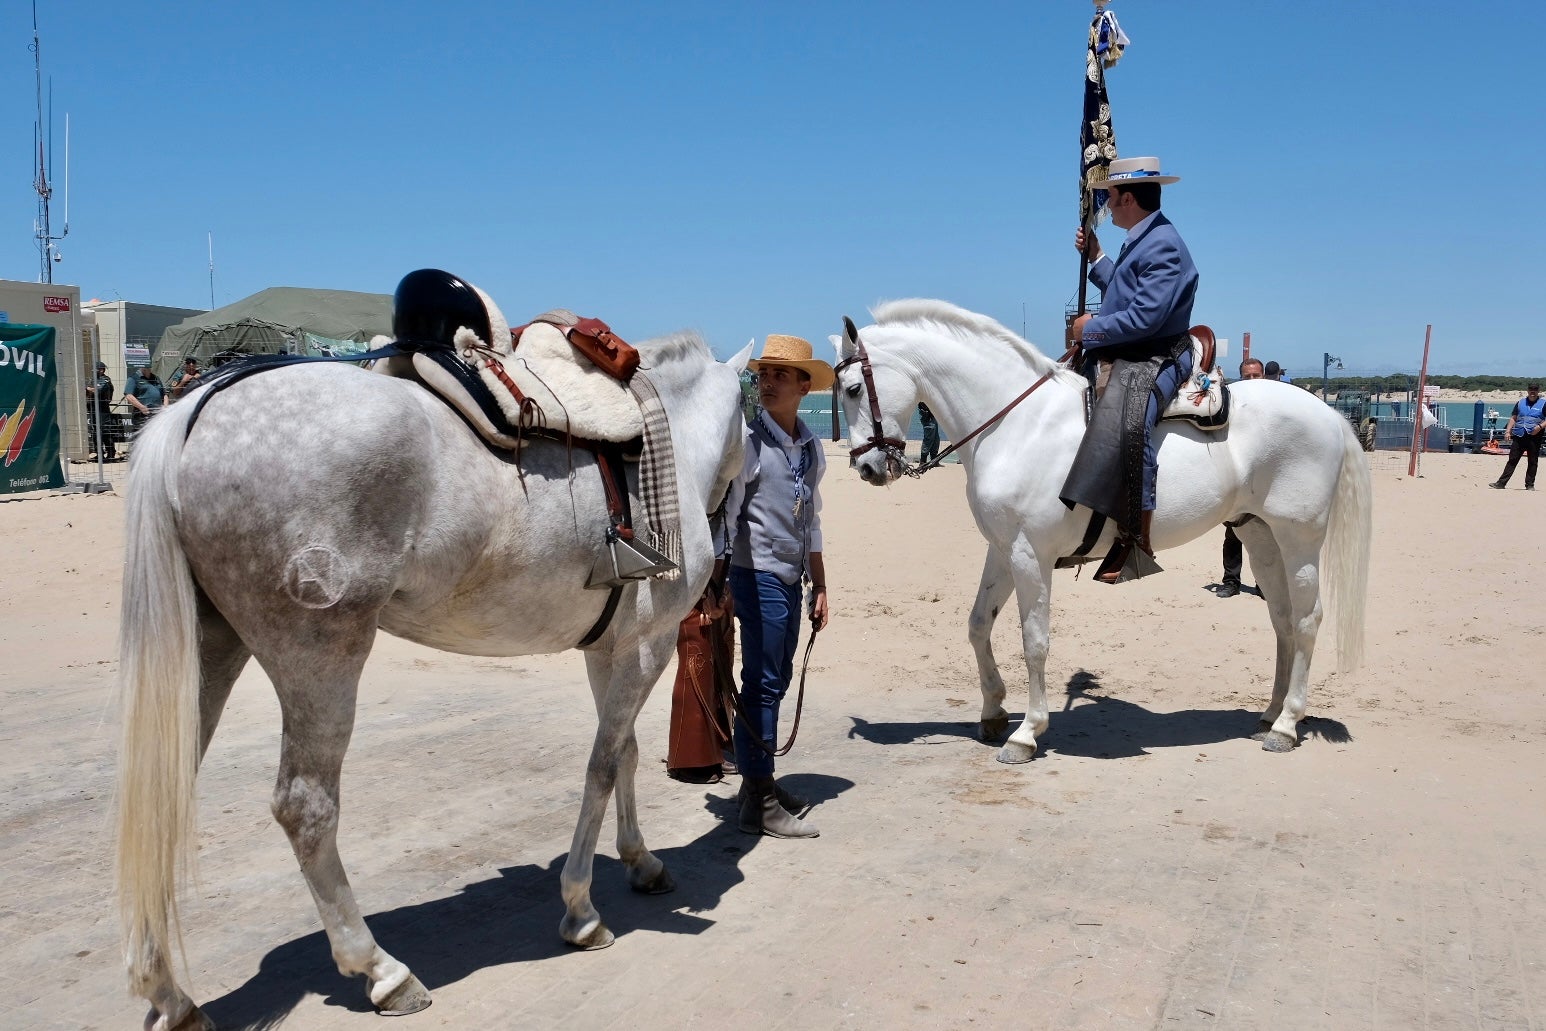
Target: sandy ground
column 1153, row 868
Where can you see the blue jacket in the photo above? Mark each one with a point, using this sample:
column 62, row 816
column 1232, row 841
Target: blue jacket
column 1146, row 295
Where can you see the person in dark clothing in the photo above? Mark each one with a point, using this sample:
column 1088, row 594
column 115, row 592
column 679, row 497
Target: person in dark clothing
column 99, row 422
column 144, row 396
column 1234, row 552
column 930, row 433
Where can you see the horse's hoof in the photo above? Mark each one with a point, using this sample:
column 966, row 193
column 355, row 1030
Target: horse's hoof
column 1275, row 742
column 992, row 728
column 409, row 997
column 589, row 936
column 659, row 884
column 1015, row 752
column 1263, row 728
column 193, row 1020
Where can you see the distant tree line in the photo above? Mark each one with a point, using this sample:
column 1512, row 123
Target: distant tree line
column 1399, row 383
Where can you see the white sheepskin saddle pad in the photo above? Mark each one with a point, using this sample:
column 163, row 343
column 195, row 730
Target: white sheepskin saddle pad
column 568, row 392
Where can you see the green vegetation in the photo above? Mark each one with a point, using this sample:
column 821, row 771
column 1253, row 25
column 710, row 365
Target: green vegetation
column 1400, row 383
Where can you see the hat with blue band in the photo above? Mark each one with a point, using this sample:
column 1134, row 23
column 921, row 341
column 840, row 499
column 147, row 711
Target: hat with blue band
column 1131, row 171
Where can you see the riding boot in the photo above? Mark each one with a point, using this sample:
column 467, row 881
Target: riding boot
column 788, row 799
column 761, row 813
column 1110, row 571
column 1130, row 557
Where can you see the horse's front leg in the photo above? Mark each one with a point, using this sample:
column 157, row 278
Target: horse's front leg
column 1033, row 588
column 620, row 683
column 992, row 592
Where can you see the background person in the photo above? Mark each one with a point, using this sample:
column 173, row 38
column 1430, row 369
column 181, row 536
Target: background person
column 185, row 378
column 99, row 423
column 930, row 426
column 1234, row 551
column 1525, row 424
column 145, row 396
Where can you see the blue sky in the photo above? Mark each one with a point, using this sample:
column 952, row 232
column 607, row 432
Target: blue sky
column 746, row 169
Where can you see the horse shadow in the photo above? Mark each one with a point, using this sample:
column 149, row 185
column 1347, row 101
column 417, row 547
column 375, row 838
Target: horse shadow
column 505, row 919
column 1105, row 727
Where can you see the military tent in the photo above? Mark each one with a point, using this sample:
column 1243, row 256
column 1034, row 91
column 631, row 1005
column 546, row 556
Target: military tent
column 281, row 319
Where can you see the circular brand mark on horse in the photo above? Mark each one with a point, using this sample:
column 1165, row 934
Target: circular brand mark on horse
column 316, row 577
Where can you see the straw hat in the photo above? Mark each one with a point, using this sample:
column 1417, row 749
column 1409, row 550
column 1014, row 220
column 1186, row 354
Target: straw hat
column 785, row 350
column 1131, row 171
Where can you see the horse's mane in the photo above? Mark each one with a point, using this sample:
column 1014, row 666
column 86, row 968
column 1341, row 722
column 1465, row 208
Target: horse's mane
column 674, row 347
column 963, row 323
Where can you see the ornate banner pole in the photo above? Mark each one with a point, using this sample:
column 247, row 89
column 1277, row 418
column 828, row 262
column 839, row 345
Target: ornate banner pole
column 1097, row 139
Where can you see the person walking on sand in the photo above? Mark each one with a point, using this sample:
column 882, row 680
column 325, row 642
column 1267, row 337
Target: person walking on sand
column 773, row 517
column 1523, row 431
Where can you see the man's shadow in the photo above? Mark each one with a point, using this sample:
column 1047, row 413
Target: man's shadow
column 511, row 918
column 1104, row 727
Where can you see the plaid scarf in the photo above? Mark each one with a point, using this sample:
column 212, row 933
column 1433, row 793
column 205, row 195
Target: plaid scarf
column 657, row 475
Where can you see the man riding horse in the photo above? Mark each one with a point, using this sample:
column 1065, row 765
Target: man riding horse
column 1146, row 308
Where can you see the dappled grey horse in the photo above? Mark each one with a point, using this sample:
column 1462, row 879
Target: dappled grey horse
column 310, row 506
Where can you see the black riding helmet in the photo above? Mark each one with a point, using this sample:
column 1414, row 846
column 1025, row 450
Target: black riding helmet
column 430, row 306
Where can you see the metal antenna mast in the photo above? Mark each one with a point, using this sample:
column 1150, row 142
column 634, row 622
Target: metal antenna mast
column 48, row 254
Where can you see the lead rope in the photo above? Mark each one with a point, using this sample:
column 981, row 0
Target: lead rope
column 727, row 687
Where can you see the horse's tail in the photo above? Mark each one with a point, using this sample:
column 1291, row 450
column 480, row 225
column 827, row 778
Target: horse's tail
column 1347, row 555
column 158, row 672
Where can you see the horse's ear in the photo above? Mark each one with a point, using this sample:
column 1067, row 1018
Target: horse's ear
column 850, row 330
column 738, row 362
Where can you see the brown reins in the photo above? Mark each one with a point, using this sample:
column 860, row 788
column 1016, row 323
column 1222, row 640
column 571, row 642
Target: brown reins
column 894, row 448
column 725, row 689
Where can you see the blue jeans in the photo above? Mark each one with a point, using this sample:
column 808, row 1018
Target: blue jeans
column 769, row 613
column 1172, row 375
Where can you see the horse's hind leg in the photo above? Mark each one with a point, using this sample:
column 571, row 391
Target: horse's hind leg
column 1288, row 574
column 620, row 683
column 317, row 689
column 221, row 658
column 994, row 589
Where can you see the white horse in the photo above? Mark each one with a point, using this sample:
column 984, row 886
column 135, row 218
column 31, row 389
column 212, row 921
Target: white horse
column 312, row 505
column 1285, row 458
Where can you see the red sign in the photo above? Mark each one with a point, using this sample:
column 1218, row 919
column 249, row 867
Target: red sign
column 56, row 303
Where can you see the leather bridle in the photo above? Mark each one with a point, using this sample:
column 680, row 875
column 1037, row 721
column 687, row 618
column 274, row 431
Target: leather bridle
column 892, row 447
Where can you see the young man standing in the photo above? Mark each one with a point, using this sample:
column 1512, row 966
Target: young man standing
column 773, row 516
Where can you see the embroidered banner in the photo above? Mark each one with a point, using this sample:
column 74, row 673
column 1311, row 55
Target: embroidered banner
column 1097, row 137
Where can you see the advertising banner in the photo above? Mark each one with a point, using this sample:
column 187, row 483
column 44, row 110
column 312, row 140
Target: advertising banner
column 29, row 423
